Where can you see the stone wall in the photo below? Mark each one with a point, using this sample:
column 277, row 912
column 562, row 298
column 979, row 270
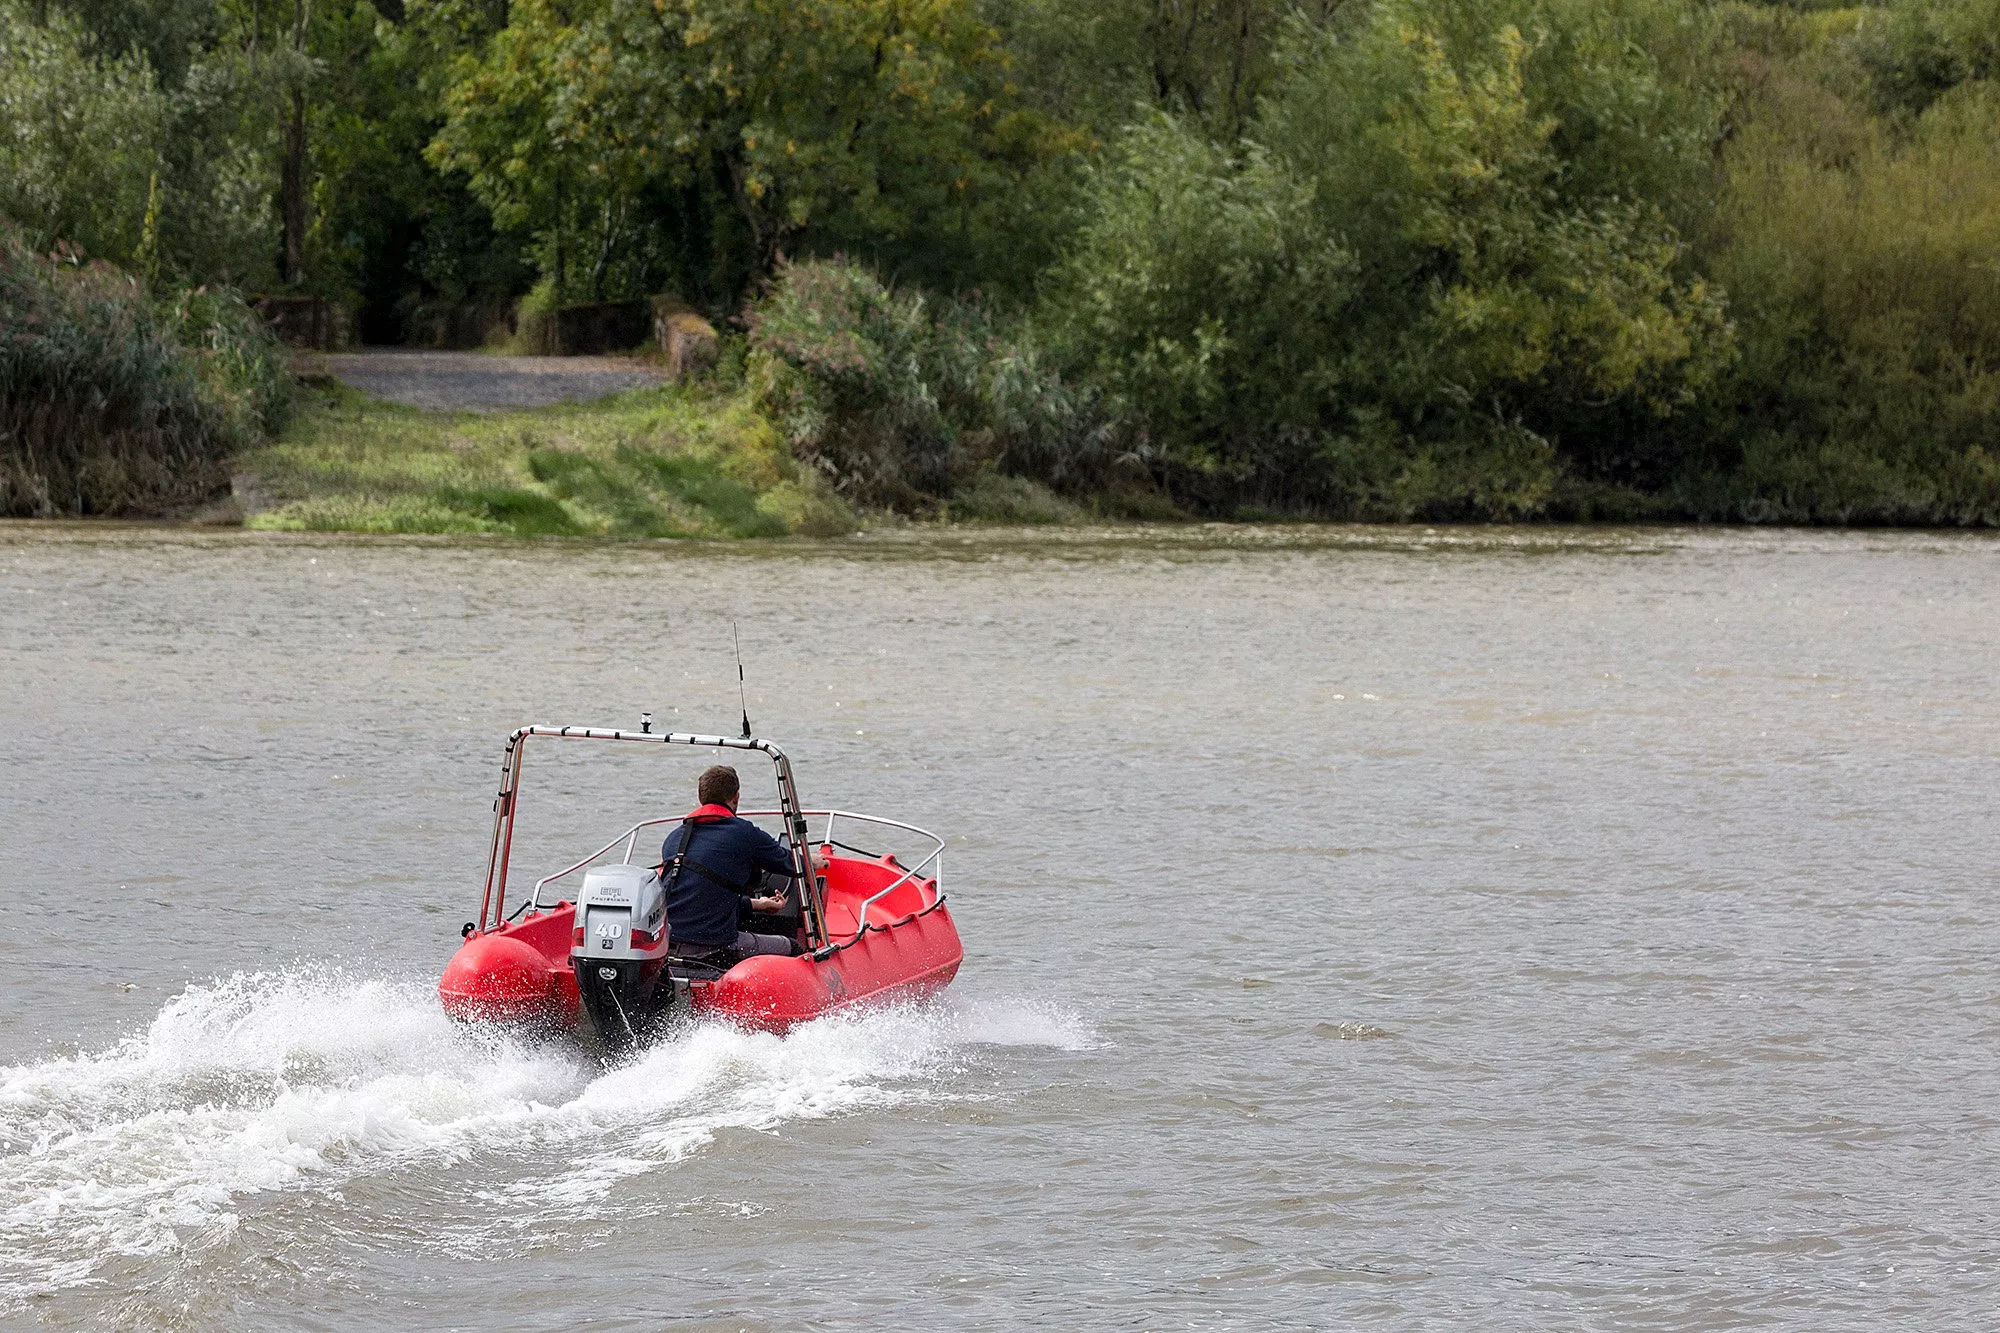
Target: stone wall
column 684, row 338
column 460, row 327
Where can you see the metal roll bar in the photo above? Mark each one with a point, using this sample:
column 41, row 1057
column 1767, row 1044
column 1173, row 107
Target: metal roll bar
column 493, row 901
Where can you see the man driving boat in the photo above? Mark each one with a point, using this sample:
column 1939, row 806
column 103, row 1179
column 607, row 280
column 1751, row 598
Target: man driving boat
column 709, row 865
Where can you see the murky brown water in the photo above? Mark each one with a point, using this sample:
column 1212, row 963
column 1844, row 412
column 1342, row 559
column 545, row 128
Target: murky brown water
column 1490, row 929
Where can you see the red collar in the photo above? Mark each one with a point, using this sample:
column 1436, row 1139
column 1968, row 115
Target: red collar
column 712, row 812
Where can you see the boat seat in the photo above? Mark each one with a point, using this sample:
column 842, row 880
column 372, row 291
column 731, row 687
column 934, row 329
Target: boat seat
column 716, row 960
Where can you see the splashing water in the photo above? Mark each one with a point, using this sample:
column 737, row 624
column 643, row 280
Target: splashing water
column 272, row 1081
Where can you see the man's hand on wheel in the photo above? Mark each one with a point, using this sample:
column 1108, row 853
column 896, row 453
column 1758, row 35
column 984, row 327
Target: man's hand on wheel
column 775, row 903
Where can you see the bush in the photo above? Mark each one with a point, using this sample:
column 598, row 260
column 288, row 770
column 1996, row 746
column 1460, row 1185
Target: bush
column 1445, row 265
column 1866, row 270
column 81, row 151
column 167, row 177
column 1915, row 51
column 103, row 408
column 535, row 332
column 901, row 400
column 240, row 365
column 1206, row 298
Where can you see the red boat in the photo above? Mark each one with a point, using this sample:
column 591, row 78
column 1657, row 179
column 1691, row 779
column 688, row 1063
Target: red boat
column 871, row 928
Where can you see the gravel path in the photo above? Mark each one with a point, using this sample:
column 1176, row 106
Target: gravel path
column 481, row 383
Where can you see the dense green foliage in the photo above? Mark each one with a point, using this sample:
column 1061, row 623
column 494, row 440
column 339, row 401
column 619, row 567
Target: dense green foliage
column 1366, row 258
column 1443, row 251
column 1859, row 240
column 898, row 398
column 110, row 405
column 693, row 143
column 153, row 133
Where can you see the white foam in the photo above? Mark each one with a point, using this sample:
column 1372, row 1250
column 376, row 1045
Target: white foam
column 291, row 1080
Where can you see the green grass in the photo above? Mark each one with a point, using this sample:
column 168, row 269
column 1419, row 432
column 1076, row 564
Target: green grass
column 667, row 462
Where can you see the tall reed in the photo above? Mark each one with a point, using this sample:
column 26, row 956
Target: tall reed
column 103, row 408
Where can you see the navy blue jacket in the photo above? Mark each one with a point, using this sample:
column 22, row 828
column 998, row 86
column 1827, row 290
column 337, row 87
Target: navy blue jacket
column 702, row 902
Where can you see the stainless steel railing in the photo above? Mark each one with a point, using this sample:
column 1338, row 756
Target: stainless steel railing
column 630, row 837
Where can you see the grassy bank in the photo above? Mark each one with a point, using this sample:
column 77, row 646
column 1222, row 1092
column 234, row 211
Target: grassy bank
column 666, row 462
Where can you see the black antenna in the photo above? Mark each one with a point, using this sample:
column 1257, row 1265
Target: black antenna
column 739, row 679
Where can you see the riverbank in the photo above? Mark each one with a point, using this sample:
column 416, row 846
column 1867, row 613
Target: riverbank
column 651, row 462
column 118, row 400
column 477, row 446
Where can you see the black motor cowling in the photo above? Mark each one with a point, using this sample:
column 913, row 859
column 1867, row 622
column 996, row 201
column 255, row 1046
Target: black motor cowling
column 624, row 999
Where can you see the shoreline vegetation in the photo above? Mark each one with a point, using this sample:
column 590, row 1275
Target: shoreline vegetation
column 676, row 461
column 1377, row 260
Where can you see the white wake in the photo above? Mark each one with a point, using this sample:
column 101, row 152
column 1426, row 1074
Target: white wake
column 301, row 1080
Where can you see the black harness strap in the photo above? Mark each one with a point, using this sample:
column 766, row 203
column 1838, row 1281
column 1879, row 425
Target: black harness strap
column 671, row 872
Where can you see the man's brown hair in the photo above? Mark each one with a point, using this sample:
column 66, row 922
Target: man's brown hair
column 718, row 786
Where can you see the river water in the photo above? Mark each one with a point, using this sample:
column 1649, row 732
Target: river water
column 1365, row 927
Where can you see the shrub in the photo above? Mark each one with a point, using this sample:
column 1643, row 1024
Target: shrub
column 99, row 151
column 82, row 142
column 1445, row 263
column 1204, row 297
column 1866, row 271
column 901, row 399
column 103, row 410
column 1915, row 51
column 240, row 364
column 535, row 322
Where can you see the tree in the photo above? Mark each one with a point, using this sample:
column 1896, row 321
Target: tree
column 1446, row 248
column 84, row 137
column 1205, row 62
column 754, row 127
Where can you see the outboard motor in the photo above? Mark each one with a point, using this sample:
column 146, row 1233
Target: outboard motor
column 619, row 951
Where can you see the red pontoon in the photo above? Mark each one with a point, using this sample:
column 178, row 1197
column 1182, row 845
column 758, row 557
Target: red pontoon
column 871, row 927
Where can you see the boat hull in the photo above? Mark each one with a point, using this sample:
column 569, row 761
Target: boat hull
column 520, row 974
